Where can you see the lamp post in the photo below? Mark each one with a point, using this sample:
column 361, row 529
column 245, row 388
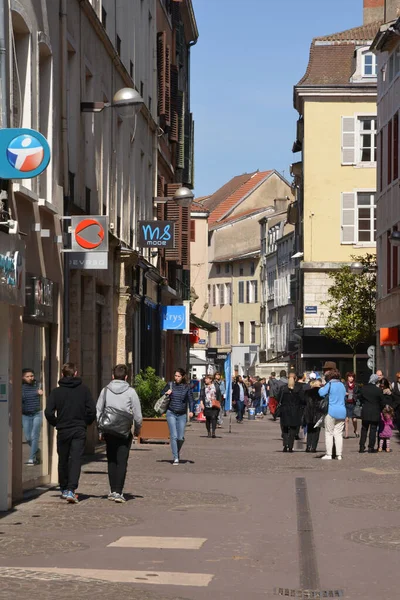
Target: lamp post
column 369, row 270
column 127, row 101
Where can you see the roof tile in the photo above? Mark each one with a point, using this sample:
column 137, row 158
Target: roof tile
column 226, row 190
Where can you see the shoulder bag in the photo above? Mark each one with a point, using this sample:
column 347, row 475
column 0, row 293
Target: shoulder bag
column 357, row 411
column 114, row 421
column 161, row 406
column 324, row 403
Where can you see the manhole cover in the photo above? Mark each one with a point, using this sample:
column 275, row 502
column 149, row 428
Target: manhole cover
column 381, row 502
column 378, row 537
column 289, row 593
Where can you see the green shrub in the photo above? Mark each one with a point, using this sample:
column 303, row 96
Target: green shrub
column 149, row 387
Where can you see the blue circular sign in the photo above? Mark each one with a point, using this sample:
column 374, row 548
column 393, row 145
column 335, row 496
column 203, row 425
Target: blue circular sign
column 25, row 153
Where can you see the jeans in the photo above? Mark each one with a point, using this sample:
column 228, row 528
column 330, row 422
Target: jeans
column 239, row 410
column 70, row 449
column 257, row 405
column 32, row 425
column 372, row 426
column 334, row 430
column 222, row 411
column 312, row 436
column 176, row 424
column 289, row 434
column 117, row 457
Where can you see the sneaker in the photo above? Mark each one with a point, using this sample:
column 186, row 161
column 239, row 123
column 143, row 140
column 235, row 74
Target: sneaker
column 71, row 497
column 30, row 463
column 111, row 496
column 326, row 457
column 64, row 494
column 176, row 462
column 119, row 498
column 338, row 458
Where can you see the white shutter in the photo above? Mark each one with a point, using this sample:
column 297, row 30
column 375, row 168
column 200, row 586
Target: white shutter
column 348, row 140
column 348, row 218
column 276, row 293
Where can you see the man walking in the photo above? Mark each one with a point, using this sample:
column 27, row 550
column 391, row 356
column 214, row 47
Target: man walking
column 31, row 414
column 70, row 409
column 222, row 388
column 120, row 395
column 257, row 387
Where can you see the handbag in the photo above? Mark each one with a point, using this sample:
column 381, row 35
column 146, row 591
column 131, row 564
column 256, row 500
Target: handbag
column 357, row 411
column 278, row 410
column 161, row 406
column 324, row 403
column 114, row 421
column 215, row 404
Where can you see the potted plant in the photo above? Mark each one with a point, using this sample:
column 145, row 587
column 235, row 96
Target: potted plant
column 149, row 387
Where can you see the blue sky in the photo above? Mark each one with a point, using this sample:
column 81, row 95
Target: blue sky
column 249, row 55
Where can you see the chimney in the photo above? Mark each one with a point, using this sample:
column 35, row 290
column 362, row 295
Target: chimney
column 374, row 10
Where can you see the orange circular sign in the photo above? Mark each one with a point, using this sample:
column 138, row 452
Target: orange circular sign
column 82, row 227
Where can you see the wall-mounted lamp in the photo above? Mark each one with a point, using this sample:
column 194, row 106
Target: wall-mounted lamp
column 127, row 101
column 395, row 238
column 357, row 268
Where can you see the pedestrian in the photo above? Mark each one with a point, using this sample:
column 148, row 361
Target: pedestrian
column 396, row 399
column 32, row 417
column 372, row 402
column 336, row 415
column 292, row 403
column 312, row 414
column 386, row 429
column 352, row 390
column 257, row 387
column 276, row 386
column 239, row 395
column 181, row 399
column 222, row 388
column 210, row 403
column 70, row 409
column 119, row 395
column 264, row 396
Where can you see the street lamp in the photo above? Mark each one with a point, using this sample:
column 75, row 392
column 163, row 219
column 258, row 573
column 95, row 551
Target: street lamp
column 357, row 268
column 127, row 101
column 395, row 238
column 183, row 197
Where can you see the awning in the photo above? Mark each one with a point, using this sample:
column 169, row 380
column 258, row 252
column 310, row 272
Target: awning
column 202, row 324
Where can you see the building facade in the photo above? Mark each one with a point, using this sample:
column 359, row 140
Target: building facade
column 335, row 180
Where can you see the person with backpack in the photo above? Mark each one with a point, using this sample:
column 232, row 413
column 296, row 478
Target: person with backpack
column 181, row 398
column 70, row 409
column 120, row 404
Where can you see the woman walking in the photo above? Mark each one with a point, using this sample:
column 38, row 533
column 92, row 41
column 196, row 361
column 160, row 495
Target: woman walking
column 334, row 420
column 239, row 394
column 351, row 397
column 181, row 397
column 372, row 401
column 210, row 403
column 291, row 411
column 312, row 414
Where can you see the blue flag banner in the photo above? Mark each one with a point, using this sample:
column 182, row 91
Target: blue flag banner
column 228, row 382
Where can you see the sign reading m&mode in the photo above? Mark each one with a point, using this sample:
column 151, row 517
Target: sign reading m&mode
column 156, row 234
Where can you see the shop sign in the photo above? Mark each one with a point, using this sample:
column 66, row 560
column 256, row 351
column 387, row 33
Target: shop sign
column 174, row 317
column 12, row 270
column 89, row 234
column 86, row 260
column 310, row 310
column 202, row 342
column 156, row 234
column 389, row 336
column 24, row 153
column 40, row 299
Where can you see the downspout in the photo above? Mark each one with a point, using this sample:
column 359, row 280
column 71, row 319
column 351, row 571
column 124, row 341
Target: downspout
column 3, row 66
column 65, row 169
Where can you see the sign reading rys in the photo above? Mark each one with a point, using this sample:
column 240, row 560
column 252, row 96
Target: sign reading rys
column 24, row 153
column 156, row 234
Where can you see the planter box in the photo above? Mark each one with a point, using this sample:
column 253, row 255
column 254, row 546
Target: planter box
column 154, row 429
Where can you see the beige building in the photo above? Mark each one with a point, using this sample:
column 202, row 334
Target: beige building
column 335, row 179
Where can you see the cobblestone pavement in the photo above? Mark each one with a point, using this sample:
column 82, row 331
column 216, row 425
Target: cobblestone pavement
column 237, row 494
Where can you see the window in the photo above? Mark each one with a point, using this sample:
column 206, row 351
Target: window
column 218, row 269
column 389, row 150
column 218, row 335
column 209, row 295
column 367, row 127
column 241, row 270
column 228, row 293
column 119, row 46
column 252, row 291
column 396, row 146
column 149, row 103
column 87, row 200
column 369, row 65
column 142, row 89
column 104, row 17
column 241, row 292
column 252, row 332
column 214, row 295
column 252, row 268
column 358, row 217
column 131, row 69
column 227, row 268
column 241, row 332
column 221, row 293
column 192, row 230
column 227, row 333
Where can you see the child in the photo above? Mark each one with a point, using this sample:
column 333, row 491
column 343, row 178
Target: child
column 386, row 428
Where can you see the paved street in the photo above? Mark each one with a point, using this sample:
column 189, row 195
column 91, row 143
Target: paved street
column 239, row 519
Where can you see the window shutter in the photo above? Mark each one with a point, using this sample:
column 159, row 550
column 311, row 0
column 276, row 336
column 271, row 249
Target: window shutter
column 185, row 236
column 227, row 333
column 348, row 218
column 241, row 292
column 180, row 156
column 221, row 293
column 214, row 291
column 161, row 70
column 348, row 140
column 255, row 299
column 167, row 85
column 218, row 334
column 174, row 128
column 192, row 230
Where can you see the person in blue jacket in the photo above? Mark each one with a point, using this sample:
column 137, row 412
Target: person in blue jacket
column 335, row 419
column 181, row 398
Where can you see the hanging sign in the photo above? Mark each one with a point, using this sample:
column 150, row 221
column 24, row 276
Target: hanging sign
column 24, row 153
column 89, row 234
column 156, row 234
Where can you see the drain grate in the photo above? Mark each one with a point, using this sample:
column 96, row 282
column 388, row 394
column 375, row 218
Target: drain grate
column 288, row 593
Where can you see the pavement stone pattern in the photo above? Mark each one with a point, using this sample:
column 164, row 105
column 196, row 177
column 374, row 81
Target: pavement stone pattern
column 24, row 546
column 382, row 502
column 378, row 537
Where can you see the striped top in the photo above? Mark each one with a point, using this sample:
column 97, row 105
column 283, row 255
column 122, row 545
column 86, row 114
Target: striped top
column 30, row 399
column 181, row 396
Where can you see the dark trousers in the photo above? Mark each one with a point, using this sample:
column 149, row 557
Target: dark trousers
column 289, row 434
column 312, row 436
column 70, row 449
column 211, row 415
column 239, row 410
column 117, row 458
column 372, row 426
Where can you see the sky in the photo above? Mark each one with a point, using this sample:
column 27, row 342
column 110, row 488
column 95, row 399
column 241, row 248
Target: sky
column 249, row 55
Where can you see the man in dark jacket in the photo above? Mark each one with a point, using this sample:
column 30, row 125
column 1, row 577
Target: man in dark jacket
column 70, row 409
column 276, row 387
column 372, row 401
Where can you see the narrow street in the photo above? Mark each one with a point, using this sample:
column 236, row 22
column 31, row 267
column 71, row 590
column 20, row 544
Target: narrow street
column 238, row 519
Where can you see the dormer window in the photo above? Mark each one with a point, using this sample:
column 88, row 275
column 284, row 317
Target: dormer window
column 369, row 65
